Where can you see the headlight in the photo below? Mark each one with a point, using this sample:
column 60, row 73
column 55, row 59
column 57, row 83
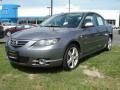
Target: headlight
column 46, row 42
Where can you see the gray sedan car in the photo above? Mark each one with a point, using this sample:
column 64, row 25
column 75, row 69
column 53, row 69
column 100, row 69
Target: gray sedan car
column 60, row 40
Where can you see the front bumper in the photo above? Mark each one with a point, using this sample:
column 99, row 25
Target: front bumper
column 35, row 57
column 25, row 61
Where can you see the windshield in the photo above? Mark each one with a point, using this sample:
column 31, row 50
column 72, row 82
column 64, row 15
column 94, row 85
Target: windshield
column 63, row 20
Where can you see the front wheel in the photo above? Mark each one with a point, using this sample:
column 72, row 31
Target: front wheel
column 71, row 57
column 109, row 44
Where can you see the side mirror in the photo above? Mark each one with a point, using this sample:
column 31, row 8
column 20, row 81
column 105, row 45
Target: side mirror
column 88, row 24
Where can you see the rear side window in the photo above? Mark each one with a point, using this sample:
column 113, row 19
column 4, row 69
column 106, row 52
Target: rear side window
column 100, row 21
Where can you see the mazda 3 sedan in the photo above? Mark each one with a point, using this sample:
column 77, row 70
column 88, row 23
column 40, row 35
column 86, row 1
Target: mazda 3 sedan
column 62, row 39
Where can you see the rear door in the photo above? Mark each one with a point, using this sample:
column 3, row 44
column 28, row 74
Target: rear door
column 101, row 31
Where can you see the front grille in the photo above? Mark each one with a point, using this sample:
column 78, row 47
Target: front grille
column 18, row 43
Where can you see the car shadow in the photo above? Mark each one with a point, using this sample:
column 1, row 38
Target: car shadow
column 90, row 56
column 36, row 70
column 2, row 43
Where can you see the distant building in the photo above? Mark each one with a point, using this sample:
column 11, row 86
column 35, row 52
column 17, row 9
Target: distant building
column 111, row 16
column 30, row 20
column 9, row 13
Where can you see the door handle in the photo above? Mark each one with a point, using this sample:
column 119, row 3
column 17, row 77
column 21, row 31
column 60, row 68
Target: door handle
column 81, row 36
column 106, row 34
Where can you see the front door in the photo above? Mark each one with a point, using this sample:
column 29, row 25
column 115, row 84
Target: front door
column 89, row 35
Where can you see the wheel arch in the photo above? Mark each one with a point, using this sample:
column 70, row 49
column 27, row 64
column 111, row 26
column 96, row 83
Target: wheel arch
column 73, row 42
column 66, row 48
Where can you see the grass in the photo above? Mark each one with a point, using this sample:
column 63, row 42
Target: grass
column 21, row 78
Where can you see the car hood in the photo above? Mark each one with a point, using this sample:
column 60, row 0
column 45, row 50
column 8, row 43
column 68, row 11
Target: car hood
column 41, row 33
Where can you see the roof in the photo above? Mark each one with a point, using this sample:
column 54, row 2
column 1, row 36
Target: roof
column 14, row 5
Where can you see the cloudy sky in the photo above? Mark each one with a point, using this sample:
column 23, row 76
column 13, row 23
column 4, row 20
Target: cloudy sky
column 83, row 4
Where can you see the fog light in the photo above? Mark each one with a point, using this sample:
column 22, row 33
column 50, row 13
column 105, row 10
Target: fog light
column 42, row 61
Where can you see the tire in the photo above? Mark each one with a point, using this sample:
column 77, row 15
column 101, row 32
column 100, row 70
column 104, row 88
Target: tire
column 109, row 44
column 8, row 33
column 71, row 57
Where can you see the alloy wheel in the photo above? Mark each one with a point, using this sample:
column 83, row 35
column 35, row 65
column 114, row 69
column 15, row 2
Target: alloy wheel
column 72, row 57
column 109, row 46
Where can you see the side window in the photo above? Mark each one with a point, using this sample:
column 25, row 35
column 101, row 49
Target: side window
column 100, row 21
column 89, row 19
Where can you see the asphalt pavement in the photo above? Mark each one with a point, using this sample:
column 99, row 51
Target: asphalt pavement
column 116, row 38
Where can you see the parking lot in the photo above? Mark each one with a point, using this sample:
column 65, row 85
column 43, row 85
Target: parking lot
column 116, row 38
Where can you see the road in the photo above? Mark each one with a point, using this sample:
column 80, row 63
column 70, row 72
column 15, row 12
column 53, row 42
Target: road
column 116, row 38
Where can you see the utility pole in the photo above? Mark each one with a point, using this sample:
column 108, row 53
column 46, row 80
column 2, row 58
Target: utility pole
column 51, row 7
column 69, row 6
